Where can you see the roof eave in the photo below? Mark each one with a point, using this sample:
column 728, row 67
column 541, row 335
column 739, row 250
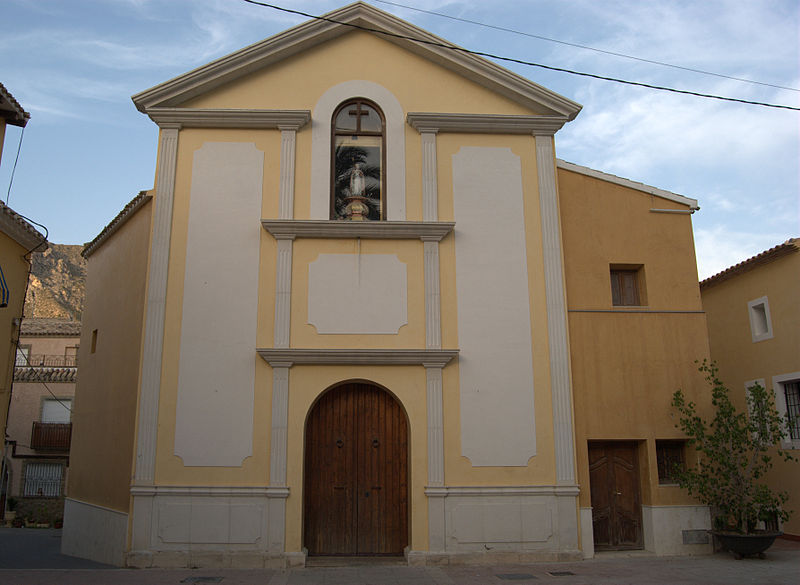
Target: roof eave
column 643, row 187
column 308, row 34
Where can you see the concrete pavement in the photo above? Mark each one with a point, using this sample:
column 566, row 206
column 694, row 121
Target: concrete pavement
column 30, row 557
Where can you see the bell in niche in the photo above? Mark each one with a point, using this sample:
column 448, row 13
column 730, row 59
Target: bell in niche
column 357, row 208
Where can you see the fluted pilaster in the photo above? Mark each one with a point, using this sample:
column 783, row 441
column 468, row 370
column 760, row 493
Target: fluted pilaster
column 156, row 307
column 556, row 312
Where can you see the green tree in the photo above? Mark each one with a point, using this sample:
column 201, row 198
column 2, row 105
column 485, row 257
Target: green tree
column 735, row 450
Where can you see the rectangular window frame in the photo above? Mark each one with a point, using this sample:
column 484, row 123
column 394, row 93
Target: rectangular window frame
column 779, row 384
column 760, row 319
column 664, row 467
column 622, row 276
column 41, row 476
column 23, row 355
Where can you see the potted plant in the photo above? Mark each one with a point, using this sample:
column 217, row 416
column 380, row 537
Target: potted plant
column 735, row 450
column 11, row 512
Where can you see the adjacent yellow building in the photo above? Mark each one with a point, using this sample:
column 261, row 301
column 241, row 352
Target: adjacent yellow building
column 753, row 313
column 365, row 310
column 18, row 240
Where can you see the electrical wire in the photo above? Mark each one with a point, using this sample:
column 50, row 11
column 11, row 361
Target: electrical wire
column 521, row 61
column 587, row 47
column 14, row 168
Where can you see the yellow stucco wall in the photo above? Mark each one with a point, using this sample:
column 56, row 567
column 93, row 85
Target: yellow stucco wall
column 627, row 362
column 104, row 412
column 741, row 360
column 15, row 269
column 297, row 83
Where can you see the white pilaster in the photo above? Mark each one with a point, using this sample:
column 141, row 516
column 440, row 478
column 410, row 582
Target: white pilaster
column 156, row 304
column 283, row 292
column 436, row 515
column 433, row 375
column 430, row 189
column 433, row 324
column 286, row 195
column 561, row 384
column 280, row 410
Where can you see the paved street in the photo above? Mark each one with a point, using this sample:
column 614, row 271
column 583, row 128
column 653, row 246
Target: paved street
column 31, row 557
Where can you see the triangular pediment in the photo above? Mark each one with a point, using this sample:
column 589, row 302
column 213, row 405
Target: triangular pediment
column 357, row 16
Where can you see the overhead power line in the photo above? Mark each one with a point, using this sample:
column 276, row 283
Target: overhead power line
column 587, row 47
column 520, row 61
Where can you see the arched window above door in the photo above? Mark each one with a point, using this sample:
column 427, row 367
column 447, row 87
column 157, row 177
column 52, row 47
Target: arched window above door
column 358, row 151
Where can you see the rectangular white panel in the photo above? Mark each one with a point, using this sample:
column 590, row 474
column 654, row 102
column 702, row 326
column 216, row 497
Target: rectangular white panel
column 357, row 293
column 214, row 421
column 494, row 323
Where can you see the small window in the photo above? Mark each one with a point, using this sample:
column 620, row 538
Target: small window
column 669, row 455
column 791, row 392
column 71, row 355
column 56, row 410
column 358, row 150
column 23, row 355
column 94, row 341
column 43, row 479
column 627, row 286
column 760, row 322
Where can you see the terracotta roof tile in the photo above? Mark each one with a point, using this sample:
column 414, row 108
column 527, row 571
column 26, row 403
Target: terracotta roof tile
column 11, row 110
column 27, row 374
column 789, row 246
column 123, row 216
column 37, row 326
column 17, row 227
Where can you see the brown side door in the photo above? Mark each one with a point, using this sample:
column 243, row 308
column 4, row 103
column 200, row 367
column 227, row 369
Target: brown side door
column 616, row 500
column 356, row 473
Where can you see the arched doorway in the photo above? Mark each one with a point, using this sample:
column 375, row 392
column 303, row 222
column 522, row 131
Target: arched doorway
column 356, row 473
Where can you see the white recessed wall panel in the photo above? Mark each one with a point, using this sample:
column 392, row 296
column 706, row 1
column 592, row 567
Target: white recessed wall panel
column 214, row 421
column 494, row 325
column 357, row 293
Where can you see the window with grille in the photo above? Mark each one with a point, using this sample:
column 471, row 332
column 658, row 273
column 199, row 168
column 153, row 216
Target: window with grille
column 669, row 455
column 43, row 479
column 792, row 393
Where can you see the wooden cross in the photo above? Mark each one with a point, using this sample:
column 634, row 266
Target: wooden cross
column 358, row 113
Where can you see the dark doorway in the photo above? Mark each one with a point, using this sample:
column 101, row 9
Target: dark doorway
column 356, row 473
column 616, row 501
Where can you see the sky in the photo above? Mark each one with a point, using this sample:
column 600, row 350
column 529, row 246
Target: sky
column 73, row 64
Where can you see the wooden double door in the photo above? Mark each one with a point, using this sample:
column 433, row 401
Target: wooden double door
column 356, row 473
column 616, row 501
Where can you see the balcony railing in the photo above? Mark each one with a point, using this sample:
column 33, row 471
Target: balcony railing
column 51, row 436
column 48, row 360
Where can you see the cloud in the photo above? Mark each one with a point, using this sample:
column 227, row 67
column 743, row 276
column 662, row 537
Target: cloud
column 719, row 248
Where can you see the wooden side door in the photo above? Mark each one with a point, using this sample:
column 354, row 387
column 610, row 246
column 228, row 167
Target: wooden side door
column 616, row 500
column 356, row 473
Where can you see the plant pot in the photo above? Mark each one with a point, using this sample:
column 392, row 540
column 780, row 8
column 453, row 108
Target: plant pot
column 746, row 545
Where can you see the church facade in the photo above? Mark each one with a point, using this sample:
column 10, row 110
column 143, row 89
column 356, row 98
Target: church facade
column 373, row 314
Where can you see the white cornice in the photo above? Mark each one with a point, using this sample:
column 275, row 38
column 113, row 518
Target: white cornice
column 517, row 490
column 485, row 123
column 567, row 166
column 211, row 490
column 232, row 118
column 383, row 230
column 285, row 357
column 309, row 34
